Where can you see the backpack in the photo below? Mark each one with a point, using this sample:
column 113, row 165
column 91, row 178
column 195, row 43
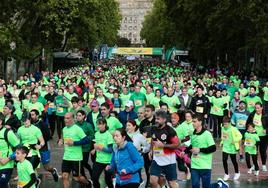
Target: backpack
column 6, row 140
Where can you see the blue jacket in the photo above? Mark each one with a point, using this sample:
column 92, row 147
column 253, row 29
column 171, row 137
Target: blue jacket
column 127, row 158
column 125, row 116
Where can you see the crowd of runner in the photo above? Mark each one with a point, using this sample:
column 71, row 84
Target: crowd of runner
column 130, row 117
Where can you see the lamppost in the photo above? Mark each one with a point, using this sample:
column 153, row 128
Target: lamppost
column 13, row 47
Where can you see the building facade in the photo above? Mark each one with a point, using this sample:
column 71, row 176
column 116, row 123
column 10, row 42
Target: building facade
column 133, row 13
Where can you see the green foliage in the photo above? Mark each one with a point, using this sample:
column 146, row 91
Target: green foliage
column 56, row 25
column 210, row 28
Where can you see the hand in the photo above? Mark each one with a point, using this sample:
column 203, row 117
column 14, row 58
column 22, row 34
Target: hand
column 206, row 116
column 108, row 167
column 123, row 171
column 98, row 147
column 4, row 161
column 159, row 144
column 69, row 142
column 264, row 131
column 37, row 147
column 93, row 152
column 60, row 142
column 195, row 150
column 150, row 155
column 182, row 154
column 8, row 126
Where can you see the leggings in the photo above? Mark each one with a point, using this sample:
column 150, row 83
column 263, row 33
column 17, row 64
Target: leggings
column 147, row 165
column 52, row 123
column 97, row 170
column 225, row 164
column 60, row 125
column 181, row 165
column 263, row 147
column 254, row 160
column 217, row 121
column 86, row 165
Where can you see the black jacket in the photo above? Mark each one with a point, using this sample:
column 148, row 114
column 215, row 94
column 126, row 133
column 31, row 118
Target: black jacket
column 13, row 122
column 264, row 120
column 201, row 102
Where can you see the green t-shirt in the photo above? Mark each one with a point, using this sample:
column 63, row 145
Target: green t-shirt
column 37, row 106
column 30, row 139
column 227, row 140
column 113, row 124
column 265, row 93
column 250, row 142
column 124, row 98
column 42, row 100
column 94, row 119
column 172, row 102
column 103, row 139
column 75, row 133
column 60, row 111
column 226, row 100
column 155, row 101
column 202, row 160
column 69, row 96
column 258, row 124
column 88, row 130
column 25, row 104
column 149, row 97
column 138, row 100
column 101, row 100
column 25, row 169
column 20, row 83
column 251, row 101
column 185, row 129
column 5, row 151
column 243, row 92
column 217, row 107
column 2, row 103
column 231, row 91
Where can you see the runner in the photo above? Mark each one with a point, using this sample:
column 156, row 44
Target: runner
column 73, row 139
column 164, row 143
column 103, row 148
column 44, row 151
column 8, row 140
column 230, row 142
column 251, row 141
column 202, row 148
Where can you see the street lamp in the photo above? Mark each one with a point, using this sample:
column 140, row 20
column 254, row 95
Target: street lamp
column 12, row 46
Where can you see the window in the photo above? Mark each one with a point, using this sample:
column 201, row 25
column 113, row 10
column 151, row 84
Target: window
column 135, row 28
column 130, row 28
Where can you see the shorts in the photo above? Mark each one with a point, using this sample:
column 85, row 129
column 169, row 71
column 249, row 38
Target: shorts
column 34, row 160
column 5, row 176
column 71, row 166
column 169, row 171
column 45, row 157
column 242, row 131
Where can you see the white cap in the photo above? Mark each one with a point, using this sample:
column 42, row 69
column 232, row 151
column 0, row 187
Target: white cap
column 129, row 104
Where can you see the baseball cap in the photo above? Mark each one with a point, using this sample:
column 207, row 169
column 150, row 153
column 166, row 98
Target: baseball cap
column 129, row 104
column 94, row 103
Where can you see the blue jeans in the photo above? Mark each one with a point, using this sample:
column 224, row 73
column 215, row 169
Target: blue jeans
column 204, row 175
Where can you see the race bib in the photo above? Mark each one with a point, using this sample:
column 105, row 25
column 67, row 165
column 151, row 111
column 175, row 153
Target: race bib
column 225, row 136
column 60, row 110
column 199, row 109
column 138, row 102
column 249, row 142
column 241, row 123
column 158, row 151
column 257, row 122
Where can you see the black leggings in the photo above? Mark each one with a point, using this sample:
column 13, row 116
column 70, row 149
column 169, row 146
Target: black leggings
column 254, row 160
column 263, row 147
column 52, row 123
column 60, row 125
column 216, row 121
column 86, row 165
column 147, row 165
column 97, row 170
column 130, row 185
column 225, row 164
